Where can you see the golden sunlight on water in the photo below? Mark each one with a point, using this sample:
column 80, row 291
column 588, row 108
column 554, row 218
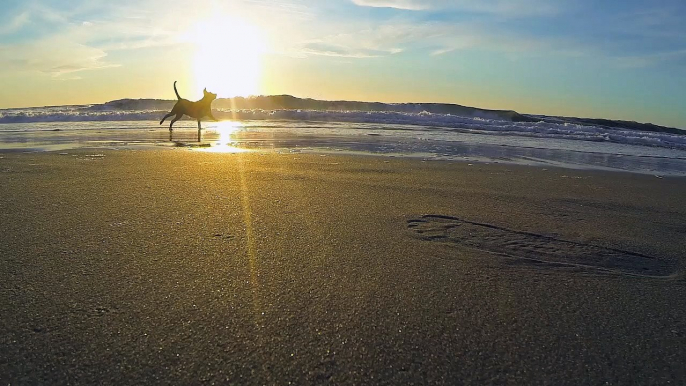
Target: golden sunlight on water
column 228, row 58
column 225, row 142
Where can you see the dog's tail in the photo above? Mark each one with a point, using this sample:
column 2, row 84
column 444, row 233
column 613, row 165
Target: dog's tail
column 177, row 93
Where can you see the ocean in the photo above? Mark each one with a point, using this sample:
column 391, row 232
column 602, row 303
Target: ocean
column 421, row 134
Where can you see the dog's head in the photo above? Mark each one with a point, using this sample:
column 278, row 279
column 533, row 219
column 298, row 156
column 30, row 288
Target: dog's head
column 208, row 95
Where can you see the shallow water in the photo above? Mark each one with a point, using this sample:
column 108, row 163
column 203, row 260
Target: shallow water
column 434, row 143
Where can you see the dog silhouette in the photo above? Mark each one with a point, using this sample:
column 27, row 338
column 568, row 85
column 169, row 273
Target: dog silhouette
column 197, row 110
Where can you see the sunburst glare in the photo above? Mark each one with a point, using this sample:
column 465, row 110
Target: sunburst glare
column 225, row 142
column 228, row 57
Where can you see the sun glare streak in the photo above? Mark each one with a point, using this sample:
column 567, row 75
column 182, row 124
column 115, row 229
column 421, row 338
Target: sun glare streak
column 225, row 143
column 228, row 55
column 226, row 130
column 250, row 246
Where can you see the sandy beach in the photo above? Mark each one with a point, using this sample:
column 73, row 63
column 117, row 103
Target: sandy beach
column 184, row 267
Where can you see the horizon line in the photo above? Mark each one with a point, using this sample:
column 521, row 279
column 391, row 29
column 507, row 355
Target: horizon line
column 363, row 101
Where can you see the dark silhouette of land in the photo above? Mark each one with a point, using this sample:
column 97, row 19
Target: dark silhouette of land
column 288, row 102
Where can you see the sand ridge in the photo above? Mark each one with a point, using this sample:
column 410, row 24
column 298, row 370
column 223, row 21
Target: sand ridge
column 536, row 248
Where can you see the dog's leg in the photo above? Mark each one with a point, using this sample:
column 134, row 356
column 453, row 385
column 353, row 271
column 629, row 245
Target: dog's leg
column 165, row 117
column 199, row 132
column 176, row 118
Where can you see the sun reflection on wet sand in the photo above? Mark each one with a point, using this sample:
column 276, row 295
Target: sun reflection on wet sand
column 225, row 143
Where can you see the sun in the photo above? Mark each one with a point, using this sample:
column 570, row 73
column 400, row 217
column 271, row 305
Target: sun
column 228, row 56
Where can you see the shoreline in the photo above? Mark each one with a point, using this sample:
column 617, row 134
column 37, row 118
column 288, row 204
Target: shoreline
column 159, row 267
column 213, row 147
column 323, row 137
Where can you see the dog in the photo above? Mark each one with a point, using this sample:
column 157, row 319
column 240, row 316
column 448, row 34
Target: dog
column 197, row 110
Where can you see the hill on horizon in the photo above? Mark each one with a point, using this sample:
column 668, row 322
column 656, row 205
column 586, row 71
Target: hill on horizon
column 289, row 102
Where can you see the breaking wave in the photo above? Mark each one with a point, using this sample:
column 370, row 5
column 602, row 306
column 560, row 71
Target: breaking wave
column 485, row 124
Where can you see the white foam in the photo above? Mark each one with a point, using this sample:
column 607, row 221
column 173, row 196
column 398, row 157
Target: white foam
column 447, row 123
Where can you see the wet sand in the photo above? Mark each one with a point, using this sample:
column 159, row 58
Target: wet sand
column 183, row 267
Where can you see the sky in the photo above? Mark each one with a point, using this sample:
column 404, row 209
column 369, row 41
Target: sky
column 618, row 59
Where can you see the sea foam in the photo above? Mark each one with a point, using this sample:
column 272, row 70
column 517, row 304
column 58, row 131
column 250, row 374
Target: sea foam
column 484, row 123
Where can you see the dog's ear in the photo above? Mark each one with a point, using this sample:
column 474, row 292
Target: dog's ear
column 204, row 90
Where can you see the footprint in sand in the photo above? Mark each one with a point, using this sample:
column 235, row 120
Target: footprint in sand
column 535, row 248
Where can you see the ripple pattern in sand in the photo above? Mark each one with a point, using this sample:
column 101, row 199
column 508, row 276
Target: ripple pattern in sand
column 536, row 248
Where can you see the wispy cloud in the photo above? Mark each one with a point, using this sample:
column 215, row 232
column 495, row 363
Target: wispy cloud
column 621, row 36
column 62, row 42
column 16, row 23
column 328, row 49
column 635, row 37
column 427, row 38
column 55, row 57
column 664, row 21
column 411, row 5
column 442, row 51
column 642, row 61
column 501, row 7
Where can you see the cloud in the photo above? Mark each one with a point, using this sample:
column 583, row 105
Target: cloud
column 54, row 56
column 15, row 24
column 442, row 51
column 636, row 37
column 642, row 61
column 328, row 49
column 62, row 42
column 513, row 8
column 433, row 38
column 411, row 5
